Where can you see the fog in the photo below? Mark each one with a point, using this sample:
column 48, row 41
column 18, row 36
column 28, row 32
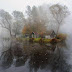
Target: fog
column 66, row 28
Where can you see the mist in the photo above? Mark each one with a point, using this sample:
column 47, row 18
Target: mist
column 40, row 21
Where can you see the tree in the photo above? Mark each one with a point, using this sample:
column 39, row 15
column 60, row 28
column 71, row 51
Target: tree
column 35, row 22
column 18, row 22
column 18, row 15
column 27, row 29
column 13, row 23
column 59, row 13
column 6, row 21
column 28, row 11
column 16, row 28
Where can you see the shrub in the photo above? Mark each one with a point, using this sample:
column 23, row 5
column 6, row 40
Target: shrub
column 53, row 41
column 41, row 41
column 37, row 40
column 31, row 40
column 47, row 40
column 61, row 36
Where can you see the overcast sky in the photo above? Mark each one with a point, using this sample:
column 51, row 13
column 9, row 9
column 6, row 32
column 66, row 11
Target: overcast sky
column 20, row 5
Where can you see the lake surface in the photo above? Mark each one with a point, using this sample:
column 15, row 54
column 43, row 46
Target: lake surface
column 23, row 57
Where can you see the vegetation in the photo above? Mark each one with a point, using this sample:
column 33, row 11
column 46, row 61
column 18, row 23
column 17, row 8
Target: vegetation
column 62, row 36
column 37, row 20
column 59, row 38
column 59, row 13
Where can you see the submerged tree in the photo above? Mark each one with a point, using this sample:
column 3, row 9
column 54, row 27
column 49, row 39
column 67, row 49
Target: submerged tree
column 59, row 13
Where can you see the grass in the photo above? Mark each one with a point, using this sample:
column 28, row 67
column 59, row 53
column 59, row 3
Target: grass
column 36, row 39
column 60, row 37
column 22, row 39
column 46, row 40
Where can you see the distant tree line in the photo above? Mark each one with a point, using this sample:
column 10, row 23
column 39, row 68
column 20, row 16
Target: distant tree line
column 37, row 19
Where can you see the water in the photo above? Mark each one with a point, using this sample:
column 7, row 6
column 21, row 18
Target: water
column 22, row 57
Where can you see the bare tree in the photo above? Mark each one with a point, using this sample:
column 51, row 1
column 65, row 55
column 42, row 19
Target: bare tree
column 18, row 22
column 6, row 21
column 16, row 28
column 59, row 13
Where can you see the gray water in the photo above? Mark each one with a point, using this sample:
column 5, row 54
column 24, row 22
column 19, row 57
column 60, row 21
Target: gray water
column 39, row 59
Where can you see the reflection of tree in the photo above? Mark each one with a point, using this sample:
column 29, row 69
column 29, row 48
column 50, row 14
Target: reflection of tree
column 39, row 58
column 20, row 55
column 18, row 51
column 58, row 62
column 42, row 59
column 21, row 61
column 7, row 58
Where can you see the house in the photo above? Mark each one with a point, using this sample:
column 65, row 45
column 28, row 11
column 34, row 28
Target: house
column 53, row 34
column 50, row 35
column 47, row 36
column 33, row 35
column 30, row 35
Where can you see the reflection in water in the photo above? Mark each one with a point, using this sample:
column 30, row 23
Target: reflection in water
column 39, row 59
column 39, row 56
column 7, row 58
column 20, row 62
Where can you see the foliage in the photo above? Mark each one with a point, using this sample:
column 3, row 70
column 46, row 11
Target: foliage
column 35, row 22
column 47, row 40
column 31, row 40
column 36, row 39
column 53, row 41
column 62, row 36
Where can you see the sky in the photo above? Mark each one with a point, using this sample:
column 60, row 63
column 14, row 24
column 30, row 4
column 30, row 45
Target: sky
column 20, row 5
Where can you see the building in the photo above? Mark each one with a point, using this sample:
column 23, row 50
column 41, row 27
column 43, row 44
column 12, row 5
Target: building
column 50, row 35
column 53, row 34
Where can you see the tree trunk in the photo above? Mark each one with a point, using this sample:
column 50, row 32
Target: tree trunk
column 58, row 28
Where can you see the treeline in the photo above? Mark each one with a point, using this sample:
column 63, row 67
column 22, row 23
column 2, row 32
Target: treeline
column 36, row 19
